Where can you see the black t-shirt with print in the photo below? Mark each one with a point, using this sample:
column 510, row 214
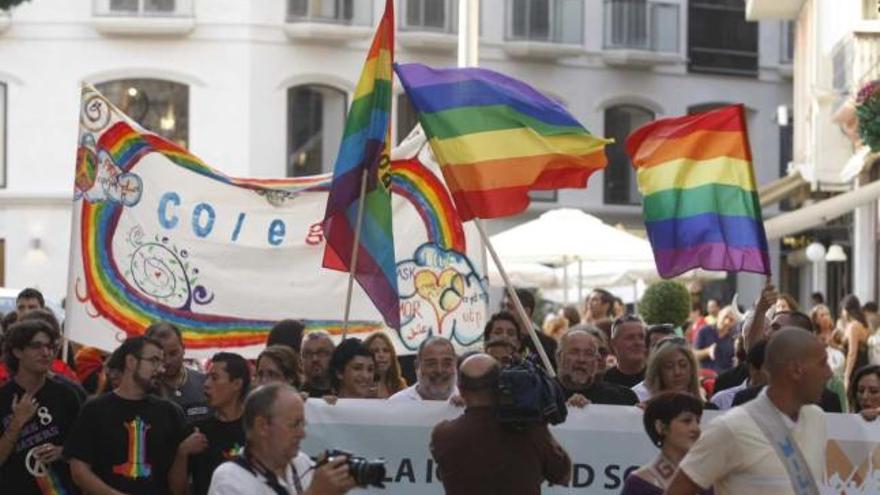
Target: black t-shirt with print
column 225, row 442
column 130, row 444
column 58, row 407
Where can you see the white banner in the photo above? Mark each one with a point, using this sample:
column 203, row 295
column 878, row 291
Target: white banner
column 605, row 443
column 159, row 235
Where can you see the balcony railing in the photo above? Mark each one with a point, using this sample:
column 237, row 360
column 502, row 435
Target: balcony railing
column 143, row 8
column 348, row 12
column 548, row 21
column 438, row 16
column 642, row 25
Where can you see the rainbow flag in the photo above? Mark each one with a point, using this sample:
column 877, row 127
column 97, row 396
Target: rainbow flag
column 701, row 205
column 497, row 138
column 366, row 146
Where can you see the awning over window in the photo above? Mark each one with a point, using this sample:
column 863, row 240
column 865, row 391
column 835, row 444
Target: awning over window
column 821, row 212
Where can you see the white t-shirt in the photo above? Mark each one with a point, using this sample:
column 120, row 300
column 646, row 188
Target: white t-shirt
column 231, row 479
column 410, row 393
column 734, row 456
column 641, row 391
column 724, row 398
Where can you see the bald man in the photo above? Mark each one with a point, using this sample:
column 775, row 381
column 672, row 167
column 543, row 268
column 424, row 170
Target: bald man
column 735, row 454
column 508, row 461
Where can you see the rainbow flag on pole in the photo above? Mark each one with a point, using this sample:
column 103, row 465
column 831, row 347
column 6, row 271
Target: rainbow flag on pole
column 366, row 145
column 700, row 204
column 497, row 138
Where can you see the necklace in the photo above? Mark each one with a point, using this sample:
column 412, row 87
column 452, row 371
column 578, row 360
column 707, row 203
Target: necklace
column 180, row 382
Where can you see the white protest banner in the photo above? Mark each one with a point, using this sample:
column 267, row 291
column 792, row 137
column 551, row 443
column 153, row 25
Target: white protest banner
column 158, row 235
column 605, row 443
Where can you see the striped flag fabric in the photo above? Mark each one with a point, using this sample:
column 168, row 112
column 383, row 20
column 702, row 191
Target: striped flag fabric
column 366, row 146
column 497, row 138
column 700, row 203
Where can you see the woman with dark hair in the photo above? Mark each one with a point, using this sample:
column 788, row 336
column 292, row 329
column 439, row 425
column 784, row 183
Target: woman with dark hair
column 387, row 367
column 855, row 345
column 600, row 305
column 353, row 370
column 503, row 325
column 672, row 422
column 864, row 392
column 279, row 363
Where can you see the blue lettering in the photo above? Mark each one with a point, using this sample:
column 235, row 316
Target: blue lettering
column 164, row 221
column 237, row 227
column 198, row 228
column 276, row 232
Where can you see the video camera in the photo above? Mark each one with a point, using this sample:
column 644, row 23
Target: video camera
column 526, row 395
column 365, row 472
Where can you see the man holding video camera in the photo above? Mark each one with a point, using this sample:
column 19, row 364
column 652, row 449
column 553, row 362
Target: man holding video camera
column 510, row 460
column 274, row 423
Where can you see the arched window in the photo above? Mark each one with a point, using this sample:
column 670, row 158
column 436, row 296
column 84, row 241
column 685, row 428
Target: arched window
column 620, row 178
column 315, row 123
column 158, row 105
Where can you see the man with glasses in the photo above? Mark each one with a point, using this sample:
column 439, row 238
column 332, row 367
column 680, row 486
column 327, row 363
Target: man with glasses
column 435, row 370
column 317, row 348
column 578, row 358
column 36, row 413
column 628, row 343
column 126, row 440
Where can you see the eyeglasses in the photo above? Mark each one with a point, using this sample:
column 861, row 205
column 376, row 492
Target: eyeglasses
column 38, row 346
column 155, row 360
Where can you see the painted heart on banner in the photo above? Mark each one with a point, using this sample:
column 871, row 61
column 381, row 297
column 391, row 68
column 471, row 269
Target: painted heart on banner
column 443, row 292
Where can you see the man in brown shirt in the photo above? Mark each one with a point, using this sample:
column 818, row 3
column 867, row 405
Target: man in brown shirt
column 477, row 455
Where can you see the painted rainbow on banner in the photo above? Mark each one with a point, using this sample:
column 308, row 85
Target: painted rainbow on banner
column 113, row 298
column 701, row 205
column 497, row 138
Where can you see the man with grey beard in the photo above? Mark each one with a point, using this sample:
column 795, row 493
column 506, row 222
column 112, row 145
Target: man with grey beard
column 435, row 370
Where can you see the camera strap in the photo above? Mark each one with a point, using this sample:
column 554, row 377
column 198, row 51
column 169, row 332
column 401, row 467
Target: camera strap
column 256, row 468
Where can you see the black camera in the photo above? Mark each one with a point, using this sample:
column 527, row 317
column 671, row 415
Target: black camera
column 526, row 395
column 365, row 472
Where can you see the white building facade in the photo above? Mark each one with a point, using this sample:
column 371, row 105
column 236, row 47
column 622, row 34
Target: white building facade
column 260, row 88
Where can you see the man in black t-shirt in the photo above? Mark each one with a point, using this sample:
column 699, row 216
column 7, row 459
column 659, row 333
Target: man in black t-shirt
column 219, row 438
column 36, row 414
column 127, row 439
column 628, row 343
column 577, row 359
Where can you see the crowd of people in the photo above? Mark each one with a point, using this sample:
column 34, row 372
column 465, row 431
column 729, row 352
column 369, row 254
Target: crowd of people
column 144, row 420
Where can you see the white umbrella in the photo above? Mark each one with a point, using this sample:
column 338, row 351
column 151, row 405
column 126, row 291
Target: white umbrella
column 529, row 275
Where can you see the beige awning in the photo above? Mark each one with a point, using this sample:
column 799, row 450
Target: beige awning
column 822, row 212
column 779, row 189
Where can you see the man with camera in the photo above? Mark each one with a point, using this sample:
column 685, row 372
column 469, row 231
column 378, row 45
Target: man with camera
column 274, row 423
column 510, row 460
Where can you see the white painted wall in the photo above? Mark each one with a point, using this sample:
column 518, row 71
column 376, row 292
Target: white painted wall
column 238, row 64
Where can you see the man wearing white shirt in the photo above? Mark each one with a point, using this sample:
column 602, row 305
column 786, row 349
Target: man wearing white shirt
column 435, row 370
column 735, row 454
column 274, row 423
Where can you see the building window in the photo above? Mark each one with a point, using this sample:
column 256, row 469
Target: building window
column 315, row 123
column 871, row 9
column 2, row 135
column 544, row 196
column 641, row 25
column 620, row 178
column 358, row 12
column 145, row 8
column 407, row 117
column 720, row 40
column 553, row 21
column 786, row 51
column 159, row 106
column 430, row 15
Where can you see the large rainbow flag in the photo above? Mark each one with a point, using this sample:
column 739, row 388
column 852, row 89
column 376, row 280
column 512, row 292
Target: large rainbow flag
column 366, row 147
column 701, row 205
column 497, row 138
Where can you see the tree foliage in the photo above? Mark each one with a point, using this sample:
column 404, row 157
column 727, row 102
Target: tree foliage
column 666, row 301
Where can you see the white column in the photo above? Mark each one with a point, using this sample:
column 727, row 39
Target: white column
column 468, row 33
column 863, row 260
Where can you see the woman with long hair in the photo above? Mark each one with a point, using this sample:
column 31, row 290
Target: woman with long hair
column 855, row 345
column 672, row 422
column 672, row 367
column 389, row 381
column 864, row 392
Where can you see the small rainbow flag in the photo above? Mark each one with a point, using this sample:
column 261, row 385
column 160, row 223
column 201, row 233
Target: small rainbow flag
column 366, row 145
column 497, row 138
column 701, row 206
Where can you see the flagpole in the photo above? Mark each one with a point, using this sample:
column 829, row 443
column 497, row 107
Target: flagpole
column 511, row 294
column 354, row 252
